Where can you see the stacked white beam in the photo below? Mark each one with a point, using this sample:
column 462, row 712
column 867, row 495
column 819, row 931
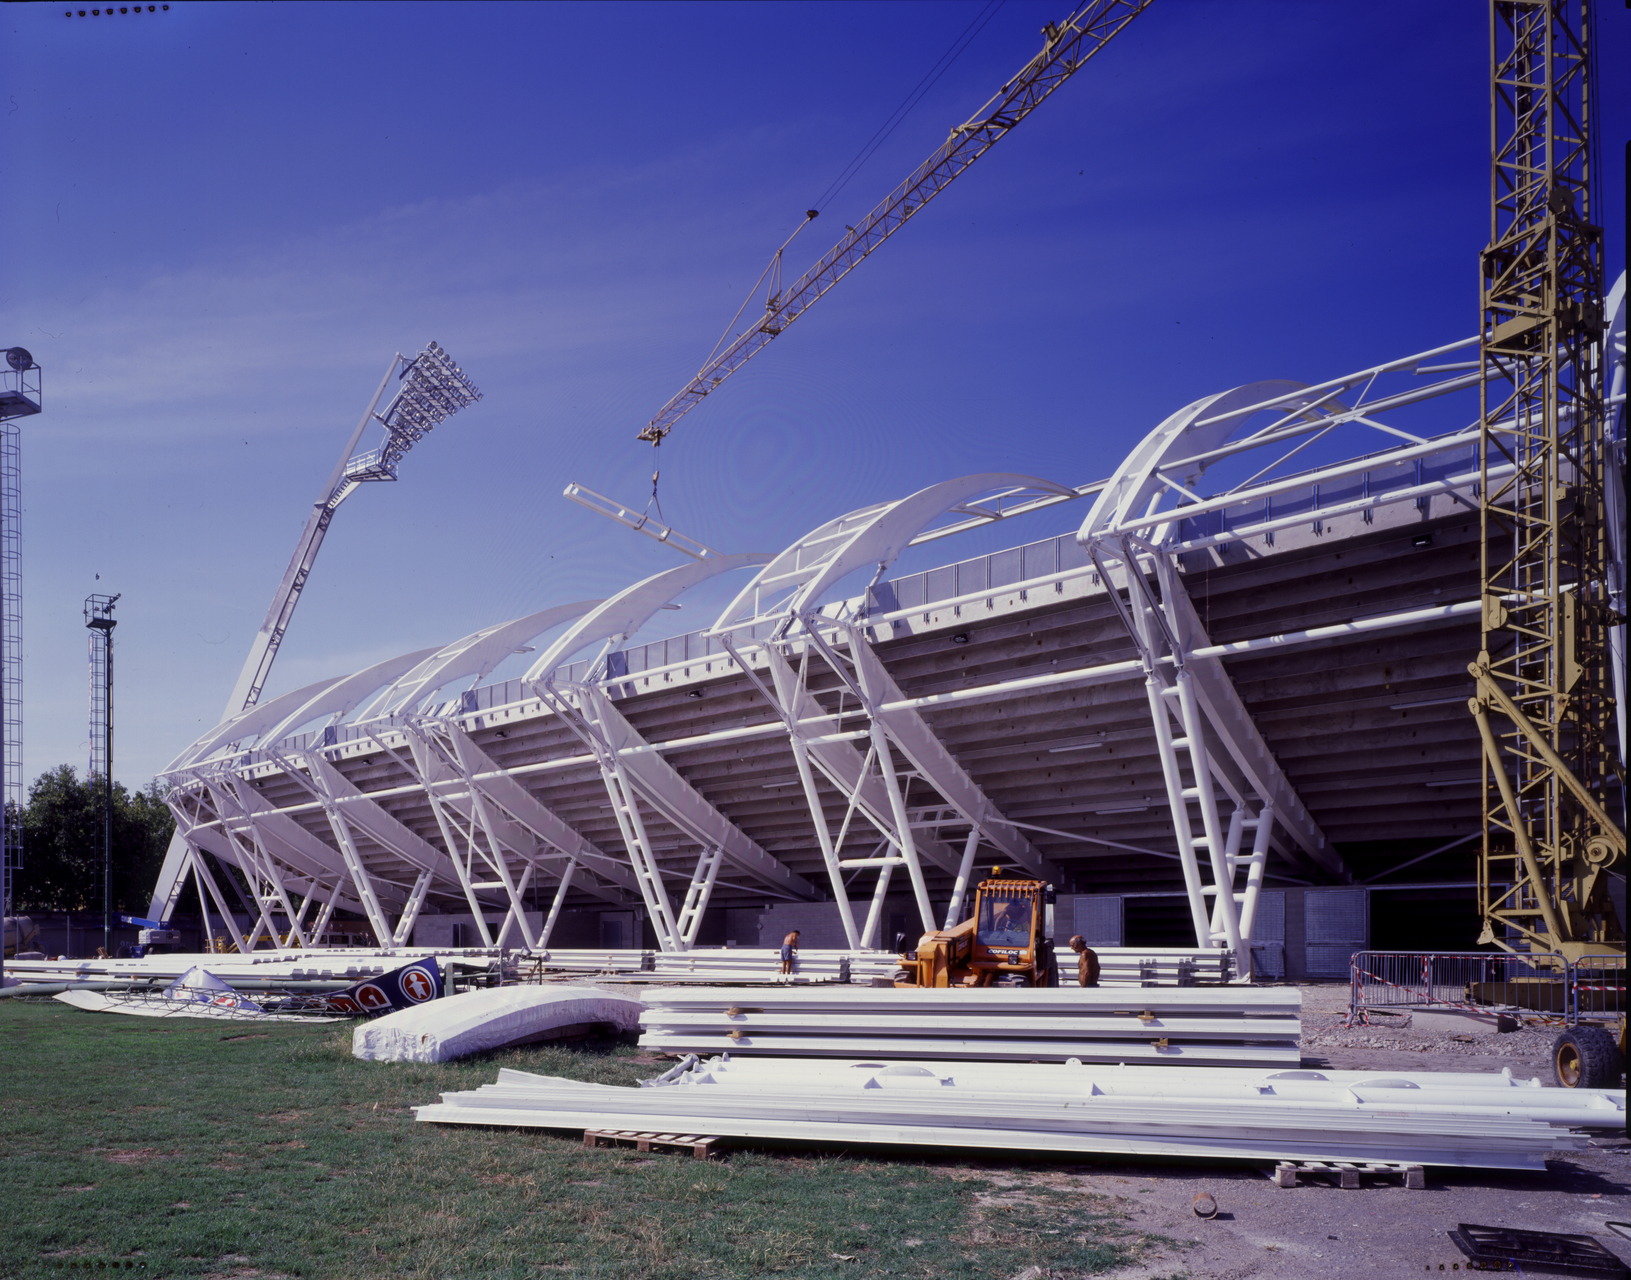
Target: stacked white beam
column 1191, row 1026
column 731, row 964
column 1456, row 1119
column 1119, row 966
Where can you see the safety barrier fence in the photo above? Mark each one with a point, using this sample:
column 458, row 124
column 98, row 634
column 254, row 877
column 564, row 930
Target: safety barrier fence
column 1544, row 983
column 1596, row 988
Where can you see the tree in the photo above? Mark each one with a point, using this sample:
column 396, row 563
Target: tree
column 62, row 844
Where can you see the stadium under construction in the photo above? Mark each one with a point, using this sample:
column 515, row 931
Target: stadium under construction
column 1277, row 700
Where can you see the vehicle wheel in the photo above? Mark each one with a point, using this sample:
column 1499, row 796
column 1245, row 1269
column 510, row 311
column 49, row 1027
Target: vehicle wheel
column 1012, row 980
column 1586, row 1058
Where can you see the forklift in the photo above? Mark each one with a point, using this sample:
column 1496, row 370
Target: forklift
column 1006, row 942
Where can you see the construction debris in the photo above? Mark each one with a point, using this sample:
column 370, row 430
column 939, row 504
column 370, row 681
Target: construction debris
column 198, row 993
column 1508, row 1248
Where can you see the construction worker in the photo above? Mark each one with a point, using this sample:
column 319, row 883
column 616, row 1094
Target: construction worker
column 1087, row 962
column 790, row 950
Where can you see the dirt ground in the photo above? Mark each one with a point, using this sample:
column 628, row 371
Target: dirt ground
column 1379, row 1230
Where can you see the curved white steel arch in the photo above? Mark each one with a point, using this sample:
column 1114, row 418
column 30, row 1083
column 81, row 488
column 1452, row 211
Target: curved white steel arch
column 291, row 710
column 1136, row 488
column 631, row 774
column 620, row 616
column 800, row 576
column 475, row 655
column 1198, row 716
column 269, row 721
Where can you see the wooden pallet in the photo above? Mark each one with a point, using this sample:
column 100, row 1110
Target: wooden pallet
column 1346, row 1174
column 699, row 1145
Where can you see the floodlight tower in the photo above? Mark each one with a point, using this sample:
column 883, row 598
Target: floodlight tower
column 99, row 619
column 431, row 388
column 19, row 398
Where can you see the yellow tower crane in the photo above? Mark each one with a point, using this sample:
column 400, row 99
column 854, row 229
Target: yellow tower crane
column 1544, row 696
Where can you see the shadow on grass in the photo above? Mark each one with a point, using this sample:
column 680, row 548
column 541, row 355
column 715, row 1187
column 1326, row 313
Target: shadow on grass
column 193, row 1149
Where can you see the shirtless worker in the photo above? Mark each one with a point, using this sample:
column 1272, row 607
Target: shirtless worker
column 1087, row 962
column 790, row 949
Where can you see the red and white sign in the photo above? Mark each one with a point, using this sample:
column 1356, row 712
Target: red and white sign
column 371, row 997
column 418, row 986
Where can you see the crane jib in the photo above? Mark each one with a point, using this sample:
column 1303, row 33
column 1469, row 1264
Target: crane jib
column 1069, row 47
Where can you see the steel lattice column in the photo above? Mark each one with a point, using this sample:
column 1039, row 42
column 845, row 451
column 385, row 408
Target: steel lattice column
column 1543, row 664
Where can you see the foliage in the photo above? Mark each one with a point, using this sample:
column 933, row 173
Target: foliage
column 62, row 844
column 174, row 1148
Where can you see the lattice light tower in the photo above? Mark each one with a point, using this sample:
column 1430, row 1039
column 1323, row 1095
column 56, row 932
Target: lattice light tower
column 20, row 397
column 99, row 620
column 430, row 389
column 1544, row 697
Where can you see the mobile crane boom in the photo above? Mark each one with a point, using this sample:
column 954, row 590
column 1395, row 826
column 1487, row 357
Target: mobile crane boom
column 1068, row 46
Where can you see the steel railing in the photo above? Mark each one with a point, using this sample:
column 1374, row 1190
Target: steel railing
column 1542, row 983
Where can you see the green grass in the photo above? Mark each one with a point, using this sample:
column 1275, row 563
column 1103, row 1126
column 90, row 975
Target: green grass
column 200, row 1149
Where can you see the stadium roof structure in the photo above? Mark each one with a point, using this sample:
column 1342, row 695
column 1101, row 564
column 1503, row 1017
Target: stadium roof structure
column 1247, row 667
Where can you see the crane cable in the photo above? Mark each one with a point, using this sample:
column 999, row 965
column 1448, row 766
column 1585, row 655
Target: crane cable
column 882, row 135
column 899, row 114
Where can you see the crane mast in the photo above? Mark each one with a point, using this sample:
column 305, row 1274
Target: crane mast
column 1543, row 685
column 1067, row 48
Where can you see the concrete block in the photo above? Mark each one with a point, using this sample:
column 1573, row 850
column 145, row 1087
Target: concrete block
column 1459, row 1022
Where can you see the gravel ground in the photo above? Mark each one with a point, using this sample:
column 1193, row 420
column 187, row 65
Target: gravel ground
column 1423, row 1041
column 1380, row 1229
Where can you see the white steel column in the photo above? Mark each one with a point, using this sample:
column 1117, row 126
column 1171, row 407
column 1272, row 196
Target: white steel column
column 327, row 913
column 265, row 866
column 360, row 878
column 556, row 905
column 874, row 915
column 903, row 826
column 1222, row 873
column 202, row 872
column 410, row 913
column 698, row 893
column 960, row 887
column 625, row 806
column 462, row 863
column 1255, row 867
column 496, row 858
column 790, row 699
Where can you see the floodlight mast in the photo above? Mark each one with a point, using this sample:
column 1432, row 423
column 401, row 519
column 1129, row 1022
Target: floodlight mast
column 20, row 397
column 432, row 390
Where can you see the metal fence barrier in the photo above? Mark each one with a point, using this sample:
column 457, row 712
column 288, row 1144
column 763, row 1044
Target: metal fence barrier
column 1596, row 988
column 1483, row 981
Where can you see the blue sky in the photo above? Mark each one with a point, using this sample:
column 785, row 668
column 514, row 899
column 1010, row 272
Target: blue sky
column 222, row 220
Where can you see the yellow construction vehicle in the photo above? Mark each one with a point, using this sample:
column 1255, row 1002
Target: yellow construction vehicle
column 1006, row 942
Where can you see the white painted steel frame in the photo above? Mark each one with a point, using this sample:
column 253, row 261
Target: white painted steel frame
column 775, row 628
